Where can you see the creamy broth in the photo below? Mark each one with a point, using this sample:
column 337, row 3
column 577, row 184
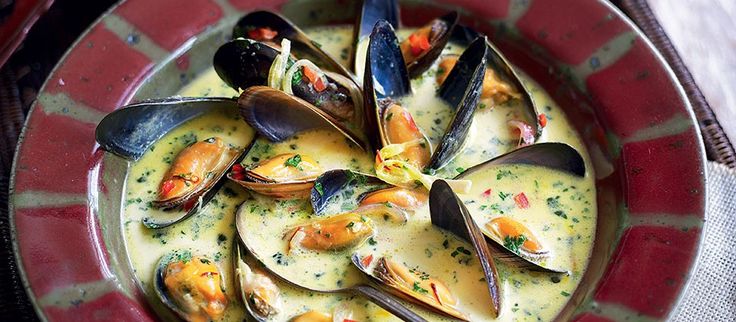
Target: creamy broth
column 561, row 212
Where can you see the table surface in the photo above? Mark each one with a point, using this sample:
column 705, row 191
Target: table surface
column 702, row 31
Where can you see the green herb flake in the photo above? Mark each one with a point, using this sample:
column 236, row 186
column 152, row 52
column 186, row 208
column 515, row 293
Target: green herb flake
column 293, row 161
column 419, row 289
column 350, row 225
column 505, row 174
column 560, row 213
column 297, row 78
column 513, row 243
column 563, row 293
column 319, row 188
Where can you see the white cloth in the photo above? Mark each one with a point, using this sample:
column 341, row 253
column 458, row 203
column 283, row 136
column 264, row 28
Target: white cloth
column 711, row 295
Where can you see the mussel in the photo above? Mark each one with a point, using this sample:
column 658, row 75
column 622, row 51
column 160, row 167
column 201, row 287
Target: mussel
column 419, row 50
column 501, row 82
column 341, row 313
column 553, row 155
column 278, row 116
column 410, row 284
column 448, row 212
column 191, row 286
column 461, row 90
column 396, row 197
column 299, row 95
column 285, row 176
column 271, row 28
column 337, row 190
column 385, row 85
column 243, row 63
column 504, row 234
column 196, row 175
column 515, row 237
column 371, row 12
column 331, row 234
column 261, row 296
column 424, row 45
column 194, row 171
column 312, row 316
column 131, row 131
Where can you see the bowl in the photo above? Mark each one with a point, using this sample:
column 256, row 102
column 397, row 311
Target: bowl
column 631, row 112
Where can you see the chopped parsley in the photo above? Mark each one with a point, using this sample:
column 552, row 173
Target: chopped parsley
column 297, row 78
column 293, row 161
column 513, row 243
column 505, row 174
column 419, row 289
column 319, row 188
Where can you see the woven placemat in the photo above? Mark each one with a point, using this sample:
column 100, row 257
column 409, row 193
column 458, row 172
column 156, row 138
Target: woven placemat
column 23, row 75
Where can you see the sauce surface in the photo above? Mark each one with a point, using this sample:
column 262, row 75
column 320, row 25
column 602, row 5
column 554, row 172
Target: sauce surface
column 561, row 210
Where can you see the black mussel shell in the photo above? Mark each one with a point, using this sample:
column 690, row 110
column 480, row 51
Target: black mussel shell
column 130, row 131
column 242, row 63
column 448, row 212
column 444, row 26
column 463, row 36
column 302, row 45
column 553, row 155
column 385, row 78
column 461, row 90
column 278, row 116
column 341, row 186
column 371, row 12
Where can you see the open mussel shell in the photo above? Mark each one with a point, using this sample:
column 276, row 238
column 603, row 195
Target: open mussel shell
column 448, row 212
column 196, row 199
column 385, row 79
column 440, row 30
column 553, row 155
column 243, row 63
column 397, row 279
column 336, row 190
column 371, row 12
column 279, row 116
column 158, row 222
column 260, row 307
column 163, row 293
column 131, row 131
column 463, row 36
column 273, row 178
column 461, row 90
column 302, row 45
column 556, row 156
column 204, row 163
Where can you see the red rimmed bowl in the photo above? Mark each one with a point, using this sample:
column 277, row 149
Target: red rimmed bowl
column 624, row 100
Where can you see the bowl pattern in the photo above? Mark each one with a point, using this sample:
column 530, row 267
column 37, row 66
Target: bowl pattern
column 632, row 114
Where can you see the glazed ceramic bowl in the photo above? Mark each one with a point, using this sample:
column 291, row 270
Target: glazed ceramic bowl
column 614, row 86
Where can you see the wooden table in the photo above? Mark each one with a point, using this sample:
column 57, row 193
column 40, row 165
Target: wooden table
column 704, row 33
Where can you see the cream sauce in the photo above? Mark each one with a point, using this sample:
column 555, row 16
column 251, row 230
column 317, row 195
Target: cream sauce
column 527, row 295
